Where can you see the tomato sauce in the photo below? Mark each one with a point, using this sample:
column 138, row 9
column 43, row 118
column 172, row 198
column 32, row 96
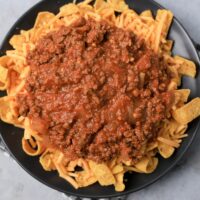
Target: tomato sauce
column 96, row 91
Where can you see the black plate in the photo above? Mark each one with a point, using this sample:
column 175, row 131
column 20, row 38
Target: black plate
column 12, row 136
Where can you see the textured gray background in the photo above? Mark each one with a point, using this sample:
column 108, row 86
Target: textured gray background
column 183, row 183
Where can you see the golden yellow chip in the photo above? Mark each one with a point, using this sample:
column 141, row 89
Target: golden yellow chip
column 17, row 41
column 183, row 94
column 102, row 173
column 117, row 169
column 85, row 8
column 84, row 179
column 43, row 18
column 63, row 172
column 72, row 165
column 3, row 77
column 188, row 112
column 100, row 4
column 4, row 60
column 164, row 17
column 165, row 150
column 127, row 162
column 147, row 13
column 6, row 111
column 69, row 9
column 119, row 185
column 118, row 5
column 129, row 169
column 152, row 146
column 32, row 150
column 147, row 165
column 187, row 67
column 168, row 141
column 46, row 160
column 167, row 46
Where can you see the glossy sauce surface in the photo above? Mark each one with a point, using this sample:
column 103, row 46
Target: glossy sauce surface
column 95, row 91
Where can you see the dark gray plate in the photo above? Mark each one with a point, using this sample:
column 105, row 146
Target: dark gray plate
column 12, row 135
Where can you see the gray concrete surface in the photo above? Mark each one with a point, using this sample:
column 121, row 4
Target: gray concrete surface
column 183, row 183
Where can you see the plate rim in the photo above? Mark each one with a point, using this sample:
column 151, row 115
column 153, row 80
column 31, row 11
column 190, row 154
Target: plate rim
column 124, row 193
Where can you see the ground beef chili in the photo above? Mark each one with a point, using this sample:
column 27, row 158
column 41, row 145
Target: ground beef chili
column 96, row 91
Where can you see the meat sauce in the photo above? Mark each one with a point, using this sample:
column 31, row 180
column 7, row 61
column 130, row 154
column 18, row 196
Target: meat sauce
column 95, row 91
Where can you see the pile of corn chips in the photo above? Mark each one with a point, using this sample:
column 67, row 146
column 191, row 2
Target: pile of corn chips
column 13, row 72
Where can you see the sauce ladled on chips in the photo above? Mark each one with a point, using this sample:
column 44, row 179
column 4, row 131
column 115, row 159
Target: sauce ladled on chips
column 97, row 91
